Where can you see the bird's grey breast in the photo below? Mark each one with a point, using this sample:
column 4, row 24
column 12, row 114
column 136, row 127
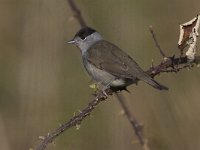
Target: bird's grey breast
column 98, row 75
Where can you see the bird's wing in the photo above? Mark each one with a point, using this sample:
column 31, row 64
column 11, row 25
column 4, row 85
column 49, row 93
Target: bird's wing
column 110, row 58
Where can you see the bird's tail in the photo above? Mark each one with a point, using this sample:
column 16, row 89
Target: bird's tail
column 154, row 83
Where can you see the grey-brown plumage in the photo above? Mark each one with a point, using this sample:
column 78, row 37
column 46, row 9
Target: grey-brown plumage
column 108, row 64
column 119, row 65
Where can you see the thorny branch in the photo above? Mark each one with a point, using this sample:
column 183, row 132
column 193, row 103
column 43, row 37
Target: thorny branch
column 74, row 121
column 156, row 42
column 169, row 64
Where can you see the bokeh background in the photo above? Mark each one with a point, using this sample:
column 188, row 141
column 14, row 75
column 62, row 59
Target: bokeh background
column 43, row 82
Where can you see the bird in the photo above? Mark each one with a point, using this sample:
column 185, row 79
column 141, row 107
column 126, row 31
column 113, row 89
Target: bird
column 107, row 64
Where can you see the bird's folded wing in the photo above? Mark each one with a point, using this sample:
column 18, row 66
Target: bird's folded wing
column 110, row 58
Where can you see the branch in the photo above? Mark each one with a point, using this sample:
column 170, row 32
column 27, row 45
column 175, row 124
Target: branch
column 172, row 64
column 76, row 120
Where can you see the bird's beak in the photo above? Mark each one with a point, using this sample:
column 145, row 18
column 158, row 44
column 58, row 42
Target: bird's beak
column 71, row 41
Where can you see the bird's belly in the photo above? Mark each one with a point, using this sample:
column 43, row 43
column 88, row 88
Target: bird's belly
column 98, row 75
column 118, row 82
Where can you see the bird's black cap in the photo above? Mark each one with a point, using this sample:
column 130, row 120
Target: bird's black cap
column 84, row 32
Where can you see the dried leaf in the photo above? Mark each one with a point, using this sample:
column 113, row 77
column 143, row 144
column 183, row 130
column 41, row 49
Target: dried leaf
column 188, row 37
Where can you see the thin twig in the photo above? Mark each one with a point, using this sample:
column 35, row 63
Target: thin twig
column 77, row 13
column 156, row 42
column 136, row 126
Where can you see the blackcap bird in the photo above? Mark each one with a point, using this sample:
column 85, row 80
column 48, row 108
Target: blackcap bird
column 107, row 64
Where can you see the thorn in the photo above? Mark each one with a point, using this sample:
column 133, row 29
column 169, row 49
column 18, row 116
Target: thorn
column 141, row 125
column 135, row 142
column 41, row 137
column 74, row 114
column 122, row 113
column 105, row 94
column 145, row 146
column 54, row 144
column 152, row 63
column 165, row 59
column 71, row 19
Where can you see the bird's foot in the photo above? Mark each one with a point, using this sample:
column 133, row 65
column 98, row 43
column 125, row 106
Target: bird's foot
column 104, row 89
column 104, row 92
column 97, row 89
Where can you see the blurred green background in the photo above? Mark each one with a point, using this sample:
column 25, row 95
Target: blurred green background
column 43, row 82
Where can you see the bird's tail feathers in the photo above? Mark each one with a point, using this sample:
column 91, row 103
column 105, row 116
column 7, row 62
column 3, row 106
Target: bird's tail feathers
column 154, row 83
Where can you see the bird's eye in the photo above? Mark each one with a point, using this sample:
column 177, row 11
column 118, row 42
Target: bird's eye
column 83, row 38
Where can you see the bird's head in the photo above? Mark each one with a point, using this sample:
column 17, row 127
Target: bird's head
column 85, row 38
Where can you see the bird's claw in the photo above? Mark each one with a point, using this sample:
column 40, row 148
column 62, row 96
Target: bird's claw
column 104, row 92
